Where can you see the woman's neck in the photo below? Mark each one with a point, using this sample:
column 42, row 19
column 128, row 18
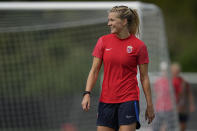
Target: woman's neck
column 123, row 34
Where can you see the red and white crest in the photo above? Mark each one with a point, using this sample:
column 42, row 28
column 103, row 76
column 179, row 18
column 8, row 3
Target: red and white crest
column 129, row 49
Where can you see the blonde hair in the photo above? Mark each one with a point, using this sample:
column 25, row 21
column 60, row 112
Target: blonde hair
column 176, row 65
column 131, row 15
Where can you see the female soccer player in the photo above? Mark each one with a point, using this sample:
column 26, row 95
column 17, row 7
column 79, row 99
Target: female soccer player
column 184, row 97
column 163, row 101
column 120, row 52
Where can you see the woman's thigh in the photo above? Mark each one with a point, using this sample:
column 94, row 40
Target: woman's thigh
column 104, row 128
column 131, row 127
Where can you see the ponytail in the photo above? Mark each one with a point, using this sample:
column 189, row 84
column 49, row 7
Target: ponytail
column 134, row 25
column 132, row 18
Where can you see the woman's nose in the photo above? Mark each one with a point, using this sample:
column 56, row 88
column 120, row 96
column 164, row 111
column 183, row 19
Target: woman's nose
column 109, row 23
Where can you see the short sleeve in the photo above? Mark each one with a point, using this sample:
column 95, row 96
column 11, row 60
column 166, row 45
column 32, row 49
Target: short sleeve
column 143, row 55
column 98, row 49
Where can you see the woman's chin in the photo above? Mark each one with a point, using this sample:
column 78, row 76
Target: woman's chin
column 113, row 32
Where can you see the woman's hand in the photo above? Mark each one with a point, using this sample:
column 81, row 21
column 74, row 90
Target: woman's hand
column 150, row 115
column 86, row 102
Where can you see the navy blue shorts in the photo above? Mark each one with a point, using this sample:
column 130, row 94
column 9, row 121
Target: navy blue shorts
column 183, row 117
column 114, row 115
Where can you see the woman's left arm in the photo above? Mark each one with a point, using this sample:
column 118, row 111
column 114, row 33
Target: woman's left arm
column 191, row 101
column 144, row 78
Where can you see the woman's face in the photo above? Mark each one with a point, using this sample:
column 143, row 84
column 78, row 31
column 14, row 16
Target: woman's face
column 115, row 23
column 175, row 70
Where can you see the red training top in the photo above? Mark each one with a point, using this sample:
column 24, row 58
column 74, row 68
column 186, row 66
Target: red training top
column 120, row 58
column 181, row 88
column 163, row 100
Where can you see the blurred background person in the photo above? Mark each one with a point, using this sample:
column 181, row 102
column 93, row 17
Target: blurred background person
column 184, row 97
column 163, row 100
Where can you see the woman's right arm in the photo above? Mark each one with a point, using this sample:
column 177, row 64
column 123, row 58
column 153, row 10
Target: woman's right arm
column 92, row 77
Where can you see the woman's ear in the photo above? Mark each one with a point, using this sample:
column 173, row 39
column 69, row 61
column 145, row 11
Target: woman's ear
column 125, row 21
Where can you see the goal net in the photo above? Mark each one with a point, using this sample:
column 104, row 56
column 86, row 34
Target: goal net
column 45, row 57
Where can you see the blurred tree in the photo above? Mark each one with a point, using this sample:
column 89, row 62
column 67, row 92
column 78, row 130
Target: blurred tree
column 180, row 19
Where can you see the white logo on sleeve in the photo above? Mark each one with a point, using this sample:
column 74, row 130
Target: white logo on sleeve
column 108, row 49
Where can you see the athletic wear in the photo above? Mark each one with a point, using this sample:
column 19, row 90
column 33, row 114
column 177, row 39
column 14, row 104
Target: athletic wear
column 163, row 100
column 181, row 88
column 116, row 114
column 183, row 117
column 120, row 58
column 163, row 105
column 178, row 85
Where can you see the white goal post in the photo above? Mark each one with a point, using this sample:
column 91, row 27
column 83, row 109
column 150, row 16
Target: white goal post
column 70, row 5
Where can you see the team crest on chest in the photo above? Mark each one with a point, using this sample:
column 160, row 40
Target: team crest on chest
column 129, row 49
